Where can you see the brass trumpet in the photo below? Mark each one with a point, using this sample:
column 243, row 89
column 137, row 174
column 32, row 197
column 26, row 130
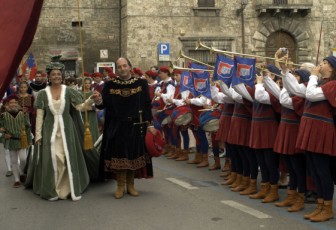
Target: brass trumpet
column 182, row 55
column 172, row 67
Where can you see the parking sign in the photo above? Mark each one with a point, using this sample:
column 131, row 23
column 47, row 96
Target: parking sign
column 164, row 51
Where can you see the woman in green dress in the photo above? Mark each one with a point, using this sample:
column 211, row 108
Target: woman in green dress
column 60, row 170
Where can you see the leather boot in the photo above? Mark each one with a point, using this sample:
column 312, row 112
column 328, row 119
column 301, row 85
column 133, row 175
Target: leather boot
column 121, row 181
column 298, row 204
column 224, row 174
column 171, row 152
column 273, row 195
column 166, row 149
column 317, row 210
column 245, row 182
column 205, row 162
column 264, row 190
column 326, row 212
column 251, row 189
column 289, row 201
column 176, row 154
column 183, row 155
column 216, row 165
column 197, row 160
column 227, row 165
column 130, row 184
column 237, row 181
column 231, row 179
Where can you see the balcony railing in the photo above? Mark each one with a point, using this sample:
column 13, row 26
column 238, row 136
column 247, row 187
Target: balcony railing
column 285, row 2
column 273, row 7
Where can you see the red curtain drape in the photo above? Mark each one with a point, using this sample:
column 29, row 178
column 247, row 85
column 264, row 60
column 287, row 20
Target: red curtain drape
column 18, row 23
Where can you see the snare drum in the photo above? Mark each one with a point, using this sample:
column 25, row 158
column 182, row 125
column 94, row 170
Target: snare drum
column 209, row 120
column 156, row 106
column 182, row 115
column 163, row 116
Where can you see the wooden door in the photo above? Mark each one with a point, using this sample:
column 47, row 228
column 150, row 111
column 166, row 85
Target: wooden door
column 280, row 39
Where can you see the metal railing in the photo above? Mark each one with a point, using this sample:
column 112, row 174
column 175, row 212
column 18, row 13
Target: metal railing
column 284, row 2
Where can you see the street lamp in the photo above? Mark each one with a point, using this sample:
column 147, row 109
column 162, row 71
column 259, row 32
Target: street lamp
column 241, row 13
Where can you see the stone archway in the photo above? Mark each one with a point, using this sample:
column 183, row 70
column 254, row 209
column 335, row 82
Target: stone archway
column 284, row 24
column 281, row 39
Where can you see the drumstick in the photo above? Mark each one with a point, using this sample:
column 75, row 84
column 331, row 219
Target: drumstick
column 205, row 109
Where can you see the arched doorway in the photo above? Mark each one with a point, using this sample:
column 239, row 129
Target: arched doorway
column 281, row 39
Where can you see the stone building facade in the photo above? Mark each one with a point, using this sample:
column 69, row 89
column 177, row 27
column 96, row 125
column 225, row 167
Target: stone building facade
column 135, row 28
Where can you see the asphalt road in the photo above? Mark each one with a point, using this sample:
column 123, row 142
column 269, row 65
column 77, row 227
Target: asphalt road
column 179, row 197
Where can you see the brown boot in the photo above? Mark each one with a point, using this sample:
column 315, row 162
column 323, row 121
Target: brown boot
column 231, row 179
column 176, row 154
column 204, row 163
column 237, row 182
column 224, row 174
column 298, row 204
column 121, row 181
column 172, row 151
column 264, row 190
column 216, row 165
column 130, row 184
column 227, row 165
column 197, row 160
column 183, row 155
column 317, row 210
column 326, row 212
column 251, row 189
column 273, row 195
column 243, row 185
column 167, row 149
column 289, row 201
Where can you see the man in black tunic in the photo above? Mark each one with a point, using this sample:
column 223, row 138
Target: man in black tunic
column 38, row 83
column 127, row 119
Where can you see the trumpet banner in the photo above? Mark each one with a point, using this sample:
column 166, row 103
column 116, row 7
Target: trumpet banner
column 245, row 71
column 224, row 69
column 18, row 23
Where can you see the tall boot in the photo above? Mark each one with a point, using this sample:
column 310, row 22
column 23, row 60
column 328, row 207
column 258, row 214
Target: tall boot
column 251, row 189
column 166, row 149
column 121, row 181
column 176, row 153
column 290, row 199
column 264, row 190
column 205, row 161
column 171, row 151
column 317, row 210
column 130, row 184
column 216, row 165
column 326, row 212
column 183, row 155
column 197, row 160
column 273, row 195
column 298, row 204
column 231, row 179
column 244, row 184
column 237, row 181
column 227, row 165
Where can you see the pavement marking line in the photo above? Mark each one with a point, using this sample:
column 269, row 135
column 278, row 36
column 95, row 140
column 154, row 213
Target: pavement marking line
column 181, row 183
column 246, row 209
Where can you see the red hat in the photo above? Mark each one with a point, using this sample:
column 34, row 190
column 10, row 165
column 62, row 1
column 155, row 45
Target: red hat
column 10, row 97
column 97, row 74
column 155, row 143
column 138, row 71
column 177, row 71
column 151, row 74
column 86, row 74
column 44, row 74
column 164, row 69
column 112, row 75
column 19, row 76
column 108, row 69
